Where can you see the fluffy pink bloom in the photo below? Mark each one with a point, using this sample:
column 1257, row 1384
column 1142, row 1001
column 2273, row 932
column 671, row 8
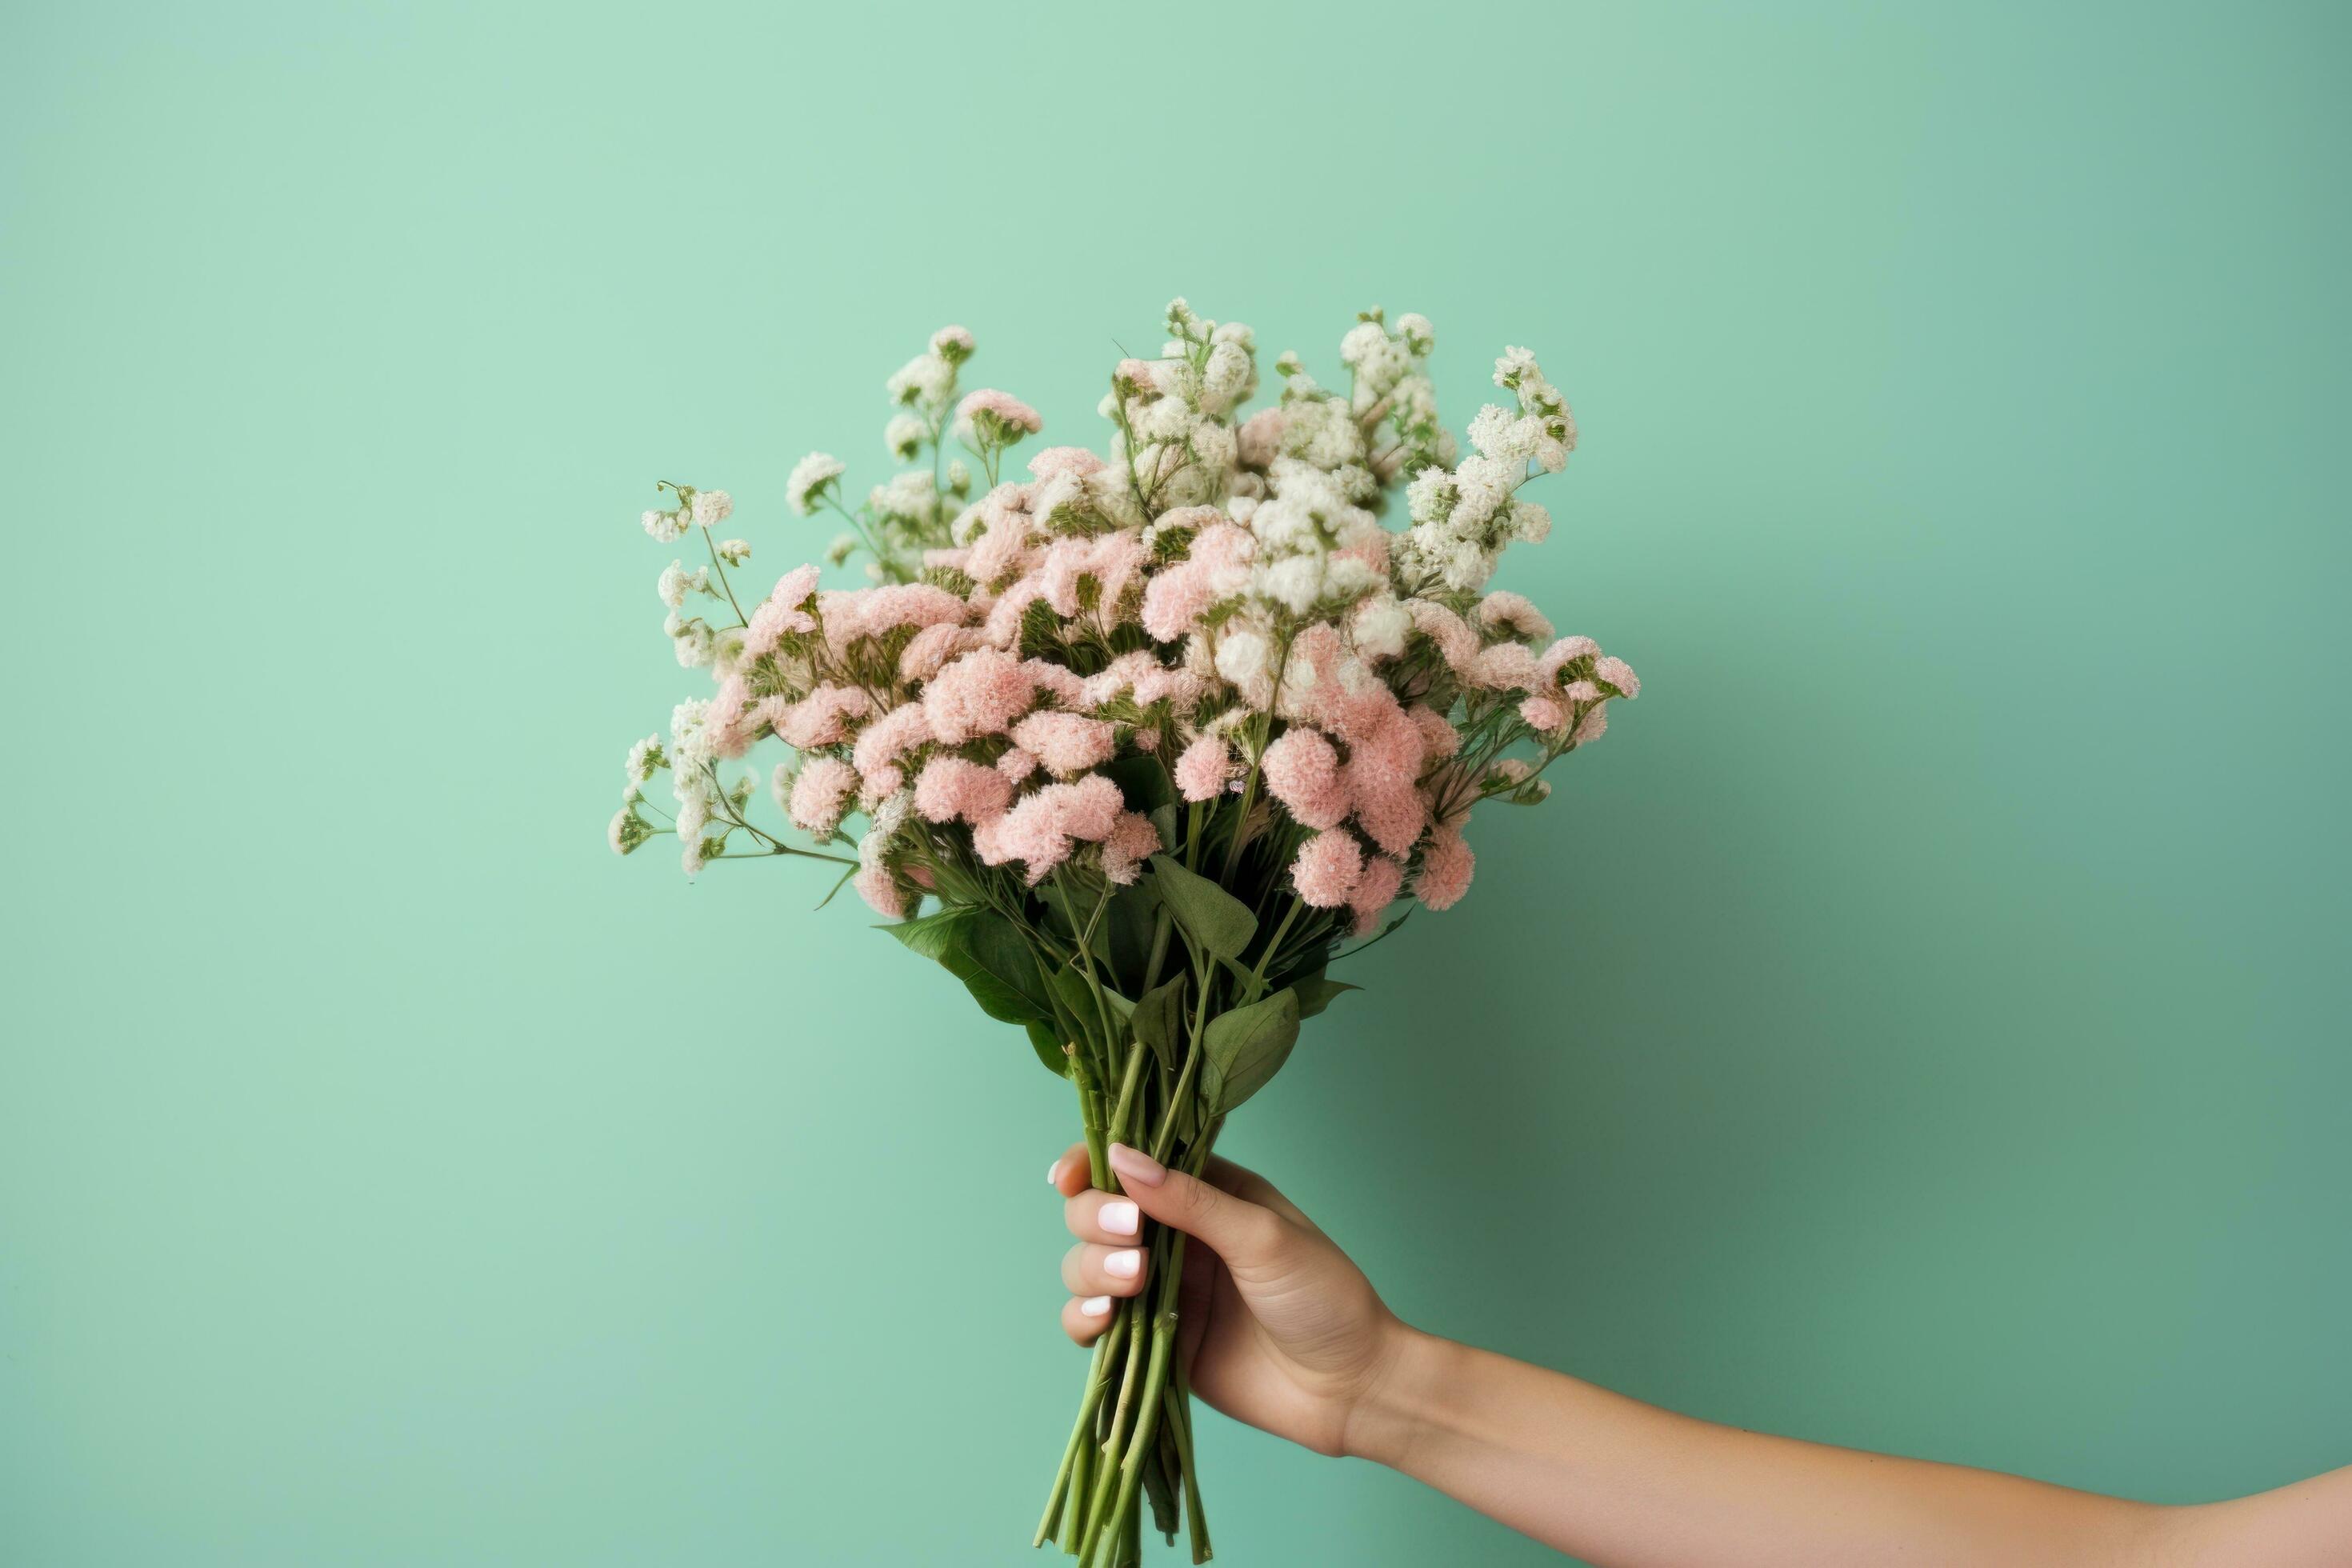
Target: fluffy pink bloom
column 953, row 788
column 1114, row 561
column 1619, row 674
column 1132, row 841
column 1260, row 437
column 1456, row 643
column 1383, row 776
column 929, row 649
column 1375, row 890
column 724, row 720
column 1328, row 868
column 1302, row 771
column 1008, row 409
column 979, row 694
column 1146, row 741
column 1513, row 612
column 1202, row 769
column 1043, row 829
column 890, row 737
column 1593, row 725
column 881, row 891
column 1067, row 743
column 1003, row 550
column 1581, row 691
column 782, row 611
column 1002, row 627
column 1439, row 739
column 1059, row 680
column 1505, row 667
column 1446, row 865
column 1016, row 764
column 1560, row 655
column 1074, row 461
column 1216, row 568
column 1543, row 714
column 821, row 718
column 821, row 794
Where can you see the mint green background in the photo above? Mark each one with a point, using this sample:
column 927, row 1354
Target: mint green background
column 1921, row 1024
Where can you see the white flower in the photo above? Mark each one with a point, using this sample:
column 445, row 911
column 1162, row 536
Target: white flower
column 1514, row 364
column 1230, row 376
column 692, row 643
column 952, row 344
column 925, row 380
column 1241, row 656
column 808, row 479
column 906, row 495
column 734, row 552
column 1295, row 582
column 959, row 475
column 1531, row 522
column 675, row 582
column 1429, row 497
column 712, row 506
column 666, row 526
column 1379, row 626
column 903, row 436
column 843, row 547
column 1419, row 336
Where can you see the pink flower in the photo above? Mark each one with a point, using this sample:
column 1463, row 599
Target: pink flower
column 953, row 788
column 821, row 719
column 1456, row 643
column 1593, row 725
column 1132, row 841
column 881, row 890
column 1328, row 868
column 1542, row 714
column 1513, row 612
column 1202, row 769
column 821, row 794
column 1074, row 461
column 1067, row 743
column 1619, row 674
column 1383, row 773
column 1040, row 829
column 1560, row 655
column 1006, row 408
column 1016, row 764
column 1581, row 691
column 1260, row 437
column 730, row 736
column 1374, row 892
column 1066, row 685
column 1439, row 739
column 929, row 649
column 1446, row 865
column 1505, row 667
column 979, row 694
column 890, row 737
column 1302, row 771
column 784, row 610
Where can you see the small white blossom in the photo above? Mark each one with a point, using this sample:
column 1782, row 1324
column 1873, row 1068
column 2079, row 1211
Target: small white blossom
column 666, row 526
column 734, row 552
column 712, row 506
column 904, row 437
column 808, row 480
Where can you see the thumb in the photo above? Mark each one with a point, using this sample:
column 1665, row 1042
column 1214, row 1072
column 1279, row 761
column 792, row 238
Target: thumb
column 1245, row 1234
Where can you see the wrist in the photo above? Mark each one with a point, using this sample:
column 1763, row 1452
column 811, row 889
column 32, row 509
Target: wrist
column 1402, row 1398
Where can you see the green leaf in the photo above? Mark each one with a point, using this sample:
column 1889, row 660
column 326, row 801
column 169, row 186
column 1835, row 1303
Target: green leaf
column 1214, row 917
column 1143, row 779
column 1159, row 1019
column 1316, row 993
column 1048, row 1047
column 1244, row 1048
column 1122, row 940
column 992, row 959
column 931, row 935
column 1069, row 983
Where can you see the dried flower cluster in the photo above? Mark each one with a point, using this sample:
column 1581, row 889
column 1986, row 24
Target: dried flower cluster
column 1196, row 689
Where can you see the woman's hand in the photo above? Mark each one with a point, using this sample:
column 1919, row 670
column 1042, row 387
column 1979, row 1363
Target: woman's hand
column 1278, row 1327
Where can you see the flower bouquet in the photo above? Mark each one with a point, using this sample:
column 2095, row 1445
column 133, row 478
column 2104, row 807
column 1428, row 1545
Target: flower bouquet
column 1139, row 741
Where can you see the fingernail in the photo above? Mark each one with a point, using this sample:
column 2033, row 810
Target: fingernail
column 1124, row 1265
column 1120, row 1217
column 1135, row 1165
column 1095, row 1307
column 1053, row 1174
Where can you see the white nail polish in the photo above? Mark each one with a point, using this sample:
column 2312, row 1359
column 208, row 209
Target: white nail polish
column 1124, row 1265
column 1120, row 1217
column 1054, row 1173
column 1095, row 1307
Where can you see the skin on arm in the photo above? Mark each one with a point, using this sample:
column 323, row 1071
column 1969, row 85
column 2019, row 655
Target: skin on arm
column 1282, row 1331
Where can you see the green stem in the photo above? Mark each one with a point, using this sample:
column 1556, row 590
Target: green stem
column 1146, row 1423
column 1081, row 1433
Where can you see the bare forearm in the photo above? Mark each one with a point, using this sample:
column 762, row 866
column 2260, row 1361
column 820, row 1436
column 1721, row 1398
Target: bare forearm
column 1627, row 1485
